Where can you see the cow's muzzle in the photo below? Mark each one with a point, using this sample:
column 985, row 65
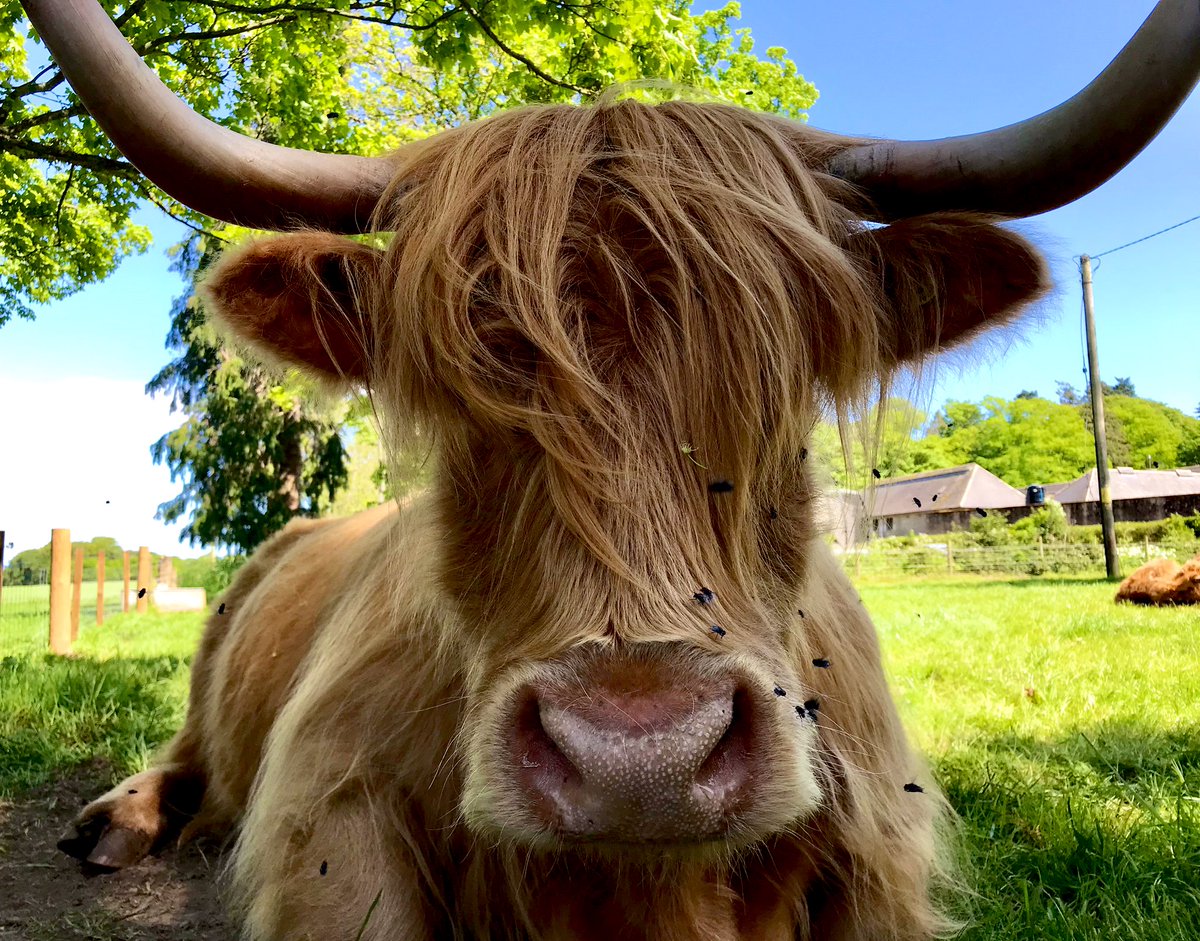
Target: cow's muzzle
column 637, row 749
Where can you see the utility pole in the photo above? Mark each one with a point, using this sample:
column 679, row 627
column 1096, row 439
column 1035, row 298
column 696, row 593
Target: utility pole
column 1111, row 563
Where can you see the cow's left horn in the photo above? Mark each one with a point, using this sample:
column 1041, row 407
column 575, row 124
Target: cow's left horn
column 203, row 165
column 1048, row 160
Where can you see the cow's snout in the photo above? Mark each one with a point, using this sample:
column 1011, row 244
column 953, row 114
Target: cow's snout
column 636, row 752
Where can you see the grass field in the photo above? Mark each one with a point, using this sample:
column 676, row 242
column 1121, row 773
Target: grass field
column 25, row 610
column 1065, row 730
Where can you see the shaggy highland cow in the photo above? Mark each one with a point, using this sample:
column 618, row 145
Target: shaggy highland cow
column 586, row 687
column 1163, row 581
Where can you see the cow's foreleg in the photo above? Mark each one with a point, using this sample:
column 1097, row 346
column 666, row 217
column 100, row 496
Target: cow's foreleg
column 336, row 872
column 136, row 817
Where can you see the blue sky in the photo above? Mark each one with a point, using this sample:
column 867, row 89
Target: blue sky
column 918, row 69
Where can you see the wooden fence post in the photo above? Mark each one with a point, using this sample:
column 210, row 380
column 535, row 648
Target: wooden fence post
column 100, row 589
column 125, row 579
column 60, row 591
column 143, row 579
column 76, row 594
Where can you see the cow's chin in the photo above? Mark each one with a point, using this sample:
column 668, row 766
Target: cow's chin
column 669, row 756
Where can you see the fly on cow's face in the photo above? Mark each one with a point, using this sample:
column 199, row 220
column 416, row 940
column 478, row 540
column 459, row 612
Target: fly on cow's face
column 721, row 486
column 221, row 608
column 913, row 788
column 821, row 662
column 809, row 709
column 324, row 866
column 718, row 630
column 705, row 596
column 774, row 513
column 780, row 691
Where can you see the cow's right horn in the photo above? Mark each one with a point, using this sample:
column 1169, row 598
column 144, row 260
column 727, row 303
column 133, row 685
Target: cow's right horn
column 210, row 168
column 1051, row 159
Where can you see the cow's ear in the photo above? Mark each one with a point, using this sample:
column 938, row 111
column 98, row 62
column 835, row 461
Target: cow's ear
column 945, row 278
column 297, row 297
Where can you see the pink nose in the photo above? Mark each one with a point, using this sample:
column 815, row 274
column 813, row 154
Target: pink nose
column 636, row 752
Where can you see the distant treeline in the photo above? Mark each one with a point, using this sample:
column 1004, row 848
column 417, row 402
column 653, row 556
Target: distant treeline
column 1025, row 440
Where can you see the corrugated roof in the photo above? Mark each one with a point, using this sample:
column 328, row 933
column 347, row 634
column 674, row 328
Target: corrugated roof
column 1125, row 483
column 966, row 487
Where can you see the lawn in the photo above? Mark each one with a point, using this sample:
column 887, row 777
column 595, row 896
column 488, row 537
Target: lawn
column 1066, row 732
column 1064, row 729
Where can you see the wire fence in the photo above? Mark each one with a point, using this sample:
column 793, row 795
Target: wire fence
column 25, row 612
column 1030, row 560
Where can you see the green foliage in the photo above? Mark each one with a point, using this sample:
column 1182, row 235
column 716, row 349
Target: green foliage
column 991, row 530
column 1048, row 523
column 191, row 573
column 33, row 565
column 255, row 449
column 219, row 577
column 351, row 76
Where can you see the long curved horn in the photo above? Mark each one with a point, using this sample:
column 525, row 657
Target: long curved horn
column 1054, row 158
column 210, row 168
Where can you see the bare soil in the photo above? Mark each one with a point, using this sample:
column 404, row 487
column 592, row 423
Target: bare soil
column 45, row 895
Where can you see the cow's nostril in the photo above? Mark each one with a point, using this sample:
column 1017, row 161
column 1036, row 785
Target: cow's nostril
column 725, row 767
column 541, row 762
column 643, row 763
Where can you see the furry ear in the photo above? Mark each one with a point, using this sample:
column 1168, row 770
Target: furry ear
column 945, row 278
column 296, row 297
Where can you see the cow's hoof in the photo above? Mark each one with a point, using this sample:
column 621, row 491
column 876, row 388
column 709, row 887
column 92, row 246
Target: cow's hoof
column 106, row 848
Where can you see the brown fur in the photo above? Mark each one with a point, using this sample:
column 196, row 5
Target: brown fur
column 571, row 296
column 1162, row 581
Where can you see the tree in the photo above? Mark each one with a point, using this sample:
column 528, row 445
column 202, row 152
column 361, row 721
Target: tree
column 255, row 448
column 358, row 76
column 1027, row 394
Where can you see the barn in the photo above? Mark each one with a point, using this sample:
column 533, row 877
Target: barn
column 938, row 501
column 1137, row 495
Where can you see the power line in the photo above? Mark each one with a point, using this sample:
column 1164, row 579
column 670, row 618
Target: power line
column 1146, row 237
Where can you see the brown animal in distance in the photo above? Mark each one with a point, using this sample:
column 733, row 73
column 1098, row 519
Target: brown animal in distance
column 1162, row 582
column 497, row 712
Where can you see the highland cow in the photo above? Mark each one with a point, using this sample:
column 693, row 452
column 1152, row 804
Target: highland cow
column 569, row 693
column 1162, row 581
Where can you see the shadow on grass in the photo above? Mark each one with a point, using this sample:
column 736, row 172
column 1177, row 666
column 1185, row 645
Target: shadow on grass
column 56, row 713
column 1095, row 835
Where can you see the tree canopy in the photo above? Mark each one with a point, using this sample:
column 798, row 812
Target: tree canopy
column 347, row 76
column 1023, row 441
column 257, row 448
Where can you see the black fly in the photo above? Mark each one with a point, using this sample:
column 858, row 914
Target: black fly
column 221, row 609
column 917, row 501
column 720, row 486
column 718, row 630
column 780, row 691
column 914, row 788
column 704, row 596
column 875, row 473
column 809, row 710
column 821, row 662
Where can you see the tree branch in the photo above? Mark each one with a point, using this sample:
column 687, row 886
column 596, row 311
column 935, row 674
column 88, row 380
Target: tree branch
column 148, row 194
column 35, row 150
column 512, row 53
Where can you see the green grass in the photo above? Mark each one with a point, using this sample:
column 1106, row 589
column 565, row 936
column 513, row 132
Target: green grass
column 25, row 613
column 1066, row 732
column 118, row 699
column 1064, row 729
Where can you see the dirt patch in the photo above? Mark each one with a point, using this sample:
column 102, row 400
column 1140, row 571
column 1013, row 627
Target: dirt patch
column 45, row 897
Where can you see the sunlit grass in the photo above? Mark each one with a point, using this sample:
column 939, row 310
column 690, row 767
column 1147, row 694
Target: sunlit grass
column 1066, row 731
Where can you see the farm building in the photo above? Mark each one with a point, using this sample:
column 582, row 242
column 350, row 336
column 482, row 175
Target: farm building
column 1137, row 495
column 939, row 501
